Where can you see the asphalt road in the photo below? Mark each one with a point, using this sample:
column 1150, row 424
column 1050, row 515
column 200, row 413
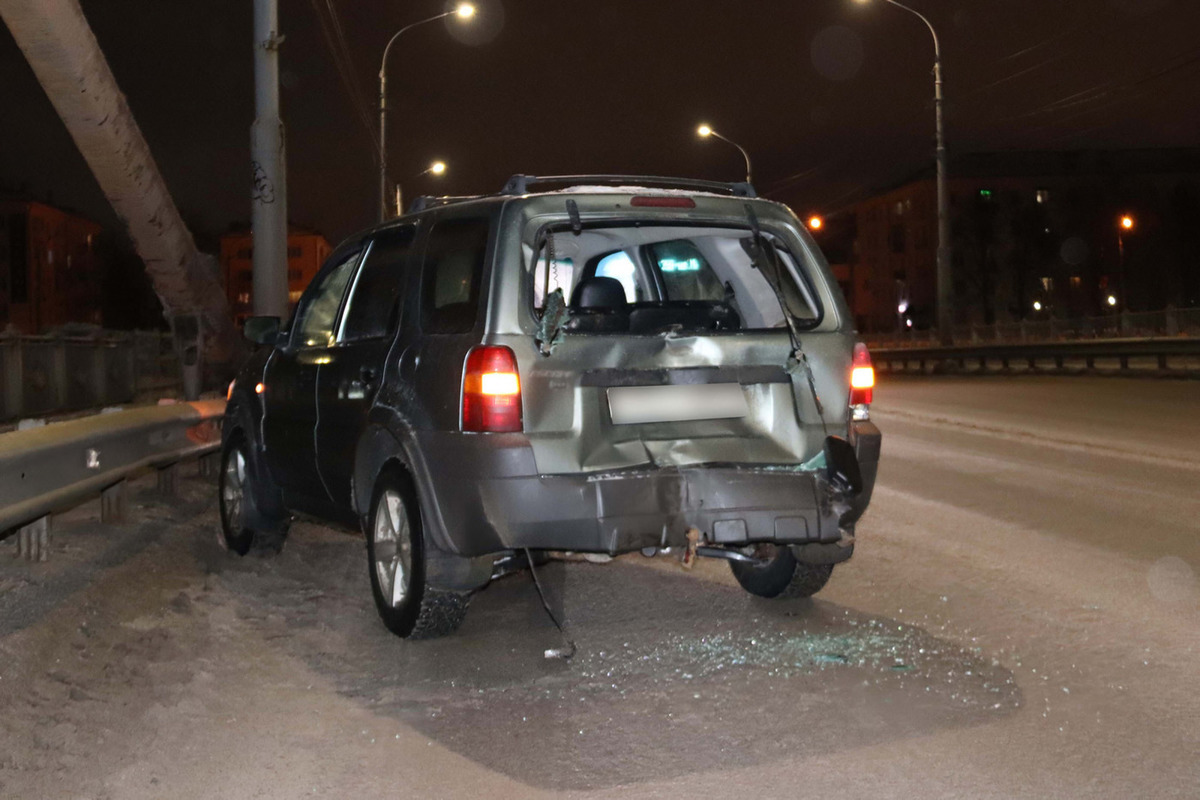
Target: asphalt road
column 1021, row 619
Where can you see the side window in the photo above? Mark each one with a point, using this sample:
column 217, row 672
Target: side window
column 314, row 325
column 452, row 274
column 374, row 306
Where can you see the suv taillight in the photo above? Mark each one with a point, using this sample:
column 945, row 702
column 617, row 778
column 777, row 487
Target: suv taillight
column 862, row 383
column 491, row 398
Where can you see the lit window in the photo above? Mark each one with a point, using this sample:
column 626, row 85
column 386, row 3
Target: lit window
column 1043, row 196
column 1076, row 282
column 1048, row 284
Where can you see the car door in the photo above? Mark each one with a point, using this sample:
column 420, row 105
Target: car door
column 349, row 382
column 290, row 387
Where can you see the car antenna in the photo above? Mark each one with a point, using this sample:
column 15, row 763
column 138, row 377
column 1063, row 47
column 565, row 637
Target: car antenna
column 564, row 653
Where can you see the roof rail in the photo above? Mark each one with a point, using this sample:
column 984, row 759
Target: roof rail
column 519, row 184
column 427, row 201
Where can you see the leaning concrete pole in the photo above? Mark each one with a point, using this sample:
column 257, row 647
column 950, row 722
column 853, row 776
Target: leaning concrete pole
column 57, row 41
column 268, row 210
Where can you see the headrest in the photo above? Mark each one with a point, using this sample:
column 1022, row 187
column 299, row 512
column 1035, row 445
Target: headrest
column 598, row 293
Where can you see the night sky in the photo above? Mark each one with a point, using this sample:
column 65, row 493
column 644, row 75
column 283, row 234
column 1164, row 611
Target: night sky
column 833, row 99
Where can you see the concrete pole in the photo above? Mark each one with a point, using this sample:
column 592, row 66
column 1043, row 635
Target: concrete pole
column 268, row 209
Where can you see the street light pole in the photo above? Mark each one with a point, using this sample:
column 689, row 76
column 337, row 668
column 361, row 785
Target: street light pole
column 463, row 11
column 705, row 131
column 945, row 282
column 268, row 207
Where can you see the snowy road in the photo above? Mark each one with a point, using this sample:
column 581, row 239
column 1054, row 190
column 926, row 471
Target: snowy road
column 1022, row 619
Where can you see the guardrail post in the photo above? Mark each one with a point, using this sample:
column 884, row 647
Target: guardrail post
column 168, row 480
column 112, row 503
column 33, row 540
column 209, row 464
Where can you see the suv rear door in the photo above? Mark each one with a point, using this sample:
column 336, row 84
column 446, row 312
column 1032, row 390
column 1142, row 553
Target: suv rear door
column 349, row 382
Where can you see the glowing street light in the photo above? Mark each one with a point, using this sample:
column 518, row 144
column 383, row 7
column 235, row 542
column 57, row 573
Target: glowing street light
column 815, row 223
column 705, row 131
column 464, row 11
column 1124, row 225
column 1037, row 305
column 436, row 168
column 945, row 281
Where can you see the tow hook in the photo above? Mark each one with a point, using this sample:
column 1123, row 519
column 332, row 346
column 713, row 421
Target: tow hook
column 730, row 555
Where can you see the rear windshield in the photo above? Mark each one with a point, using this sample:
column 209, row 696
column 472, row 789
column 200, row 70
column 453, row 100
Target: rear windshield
column 648, row 279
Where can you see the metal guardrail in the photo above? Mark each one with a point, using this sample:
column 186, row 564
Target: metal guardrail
column 55, row 373
column 52, row 468
column 1162, row 350
column 1118, row 325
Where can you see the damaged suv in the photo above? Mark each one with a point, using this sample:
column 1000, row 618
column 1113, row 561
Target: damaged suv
column 619, row 364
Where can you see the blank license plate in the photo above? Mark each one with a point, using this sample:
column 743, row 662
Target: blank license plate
column 640, row 404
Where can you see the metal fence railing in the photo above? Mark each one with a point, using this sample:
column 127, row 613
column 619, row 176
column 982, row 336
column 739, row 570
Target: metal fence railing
column 56, row 373
column 1184, row 322
column 52, row 468
column 1178, row 355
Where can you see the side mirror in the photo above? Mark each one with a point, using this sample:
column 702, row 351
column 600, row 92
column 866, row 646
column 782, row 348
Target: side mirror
column 262, row 330
column 841, row 466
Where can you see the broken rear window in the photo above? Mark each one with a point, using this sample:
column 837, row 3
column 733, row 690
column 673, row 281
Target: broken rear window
column 648, row 279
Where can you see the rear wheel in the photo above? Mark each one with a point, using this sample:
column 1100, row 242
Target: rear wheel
column 396, row 558
column 241, row 498
column 780, row 574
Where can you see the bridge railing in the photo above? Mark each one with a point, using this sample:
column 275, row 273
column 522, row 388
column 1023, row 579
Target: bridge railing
column 1176, row 355
column 51, row 374
column 1118, row 325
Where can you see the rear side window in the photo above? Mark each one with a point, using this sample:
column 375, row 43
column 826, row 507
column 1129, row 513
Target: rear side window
column 452, row 274
column 375, row 300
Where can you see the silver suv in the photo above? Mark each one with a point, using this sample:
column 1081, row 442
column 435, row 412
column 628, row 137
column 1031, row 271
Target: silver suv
column 620, row 364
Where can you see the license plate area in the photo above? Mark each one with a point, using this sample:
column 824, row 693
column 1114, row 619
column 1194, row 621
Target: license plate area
column 637, row 405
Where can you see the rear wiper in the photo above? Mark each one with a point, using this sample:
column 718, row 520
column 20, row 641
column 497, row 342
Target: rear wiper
column 765, row 259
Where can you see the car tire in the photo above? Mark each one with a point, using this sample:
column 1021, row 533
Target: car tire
column 782, row 575
column 407, row 605
column 243, row 499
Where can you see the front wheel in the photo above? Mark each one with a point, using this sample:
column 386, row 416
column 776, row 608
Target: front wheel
column 241, row 501
column 396, row 558
column 780, row 574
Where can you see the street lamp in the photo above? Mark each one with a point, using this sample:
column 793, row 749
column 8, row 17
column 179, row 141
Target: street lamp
column 463, row 11
column 436, row 168
column 944, row 281
column 1124, row 225
column 815, row 223
column 706, row 131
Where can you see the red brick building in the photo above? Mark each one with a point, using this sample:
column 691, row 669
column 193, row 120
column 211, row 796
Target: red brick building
column 307, row 251
column 48, row 271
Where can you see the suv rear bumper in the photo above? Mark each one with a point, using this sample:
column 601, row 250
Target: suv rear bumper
column 489, row 498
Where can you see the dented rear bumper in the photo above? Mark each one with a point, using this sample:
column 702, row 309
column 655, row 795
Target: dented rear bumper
column 489, row 498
